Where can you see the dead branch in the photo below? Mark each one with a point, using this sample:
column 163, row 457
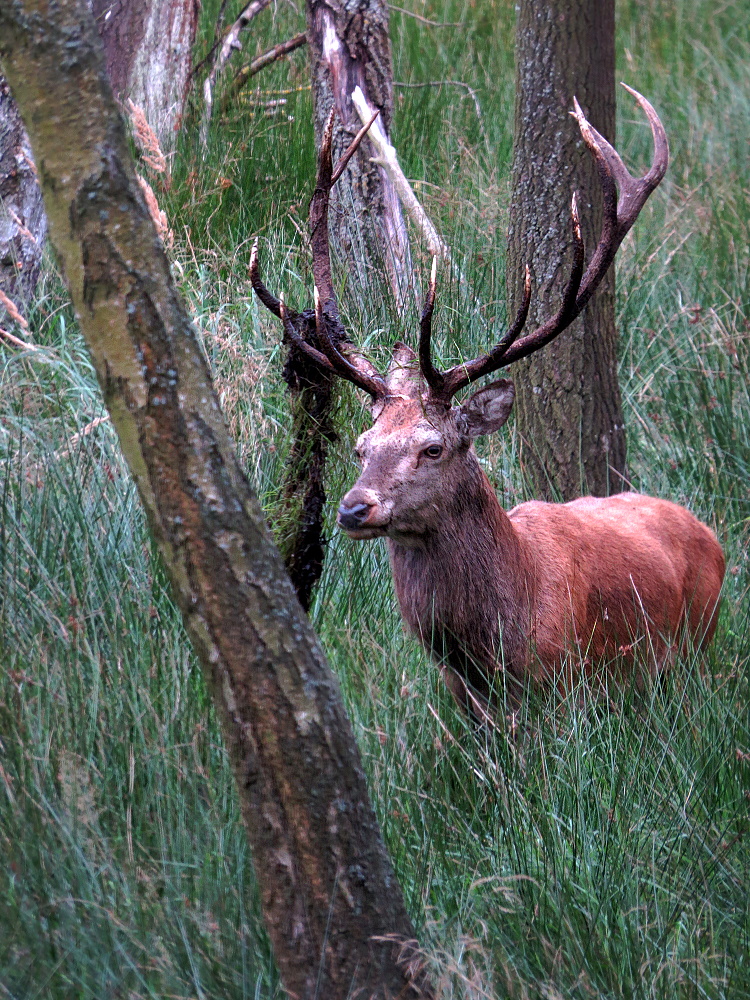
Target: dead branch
column 385, row 156
column 424, row 20
column 228, row 46
column 259, row 63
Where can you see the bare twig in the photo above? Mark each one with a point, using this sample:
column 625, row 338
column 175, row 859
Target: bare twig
column 425, row 20
column 228, row 46
column 386, row 158
column 74, row 439
column 20, row 226
column 17, row 342
column 259, row 63
column 13, row 311
column 452, row 83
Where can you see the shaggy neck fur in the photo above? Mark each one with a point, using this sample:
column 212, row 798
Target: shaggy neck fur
column 466, row 592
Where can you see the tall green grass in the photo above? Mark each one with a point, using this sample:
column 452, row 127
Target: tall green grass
column 604, row 850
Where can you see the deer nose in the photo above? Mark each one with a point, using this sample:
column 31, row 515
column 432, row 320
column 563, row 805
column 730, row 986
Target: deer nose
column 353, row 515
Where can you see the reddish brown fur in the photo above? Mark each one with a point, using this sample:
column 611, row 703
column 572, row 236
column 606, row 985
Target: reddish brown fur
column 516, row 593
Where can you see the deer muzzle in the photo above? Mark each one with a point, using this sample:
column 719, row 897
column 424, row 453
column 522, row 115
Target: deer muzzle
column 354, row 516
column 361, row 514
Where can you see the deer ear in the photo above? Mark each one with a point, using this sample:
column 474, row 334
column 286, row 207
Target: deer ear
column 488, row 409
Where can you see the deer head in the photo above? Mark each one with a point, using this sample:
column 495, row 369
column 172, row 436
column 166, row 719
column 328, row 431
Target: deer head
column 419, row 439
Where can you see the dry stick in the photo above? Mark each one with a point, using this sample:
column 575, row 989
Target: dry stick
column 17, row 341
column 425, row 20
column 230, row 43
column 76, row 438
column 13, row 310
column 263, row 60
column 13, row 313
column 387, row 159
column 452, row 83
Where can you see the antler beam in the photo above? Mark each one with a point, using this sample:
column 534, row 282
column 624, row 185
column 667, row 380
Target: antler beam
column 619, row 217
column 329, row 356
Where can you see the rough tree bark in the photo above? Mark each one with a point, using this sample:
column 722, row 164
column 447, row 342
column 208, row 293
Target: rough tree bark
column 333, row 908
column 23, row 224
column 568, row 406
column 148, row 46
column 350, row 47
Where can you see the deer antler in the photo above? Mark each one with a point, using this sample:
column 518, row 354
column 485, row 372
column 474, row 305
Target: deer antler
column 619, row 217
column 330, row 356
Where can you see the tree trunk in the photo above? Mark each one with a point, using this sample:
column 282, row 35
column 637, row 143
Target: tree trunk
column 332, row 906
column 148, row 46
column 350, row 47
column 568, row 403
column 23, row 224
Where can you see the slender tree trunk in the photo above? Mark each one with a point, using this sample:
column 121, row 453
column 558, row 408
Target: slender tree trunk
column 23, row 224
column 333, row 908
column 568, row 404
column 148, row 46
column 350, row 47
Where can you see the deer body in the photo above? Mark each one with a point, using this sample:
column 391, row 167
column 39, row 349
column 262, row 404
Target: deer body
column 547, row 587
column 604, row 579
column 495, row 594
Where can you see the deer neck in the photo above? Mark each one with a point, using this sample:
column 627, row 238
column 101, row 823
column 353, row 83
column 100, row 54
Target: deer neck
column 467, row 590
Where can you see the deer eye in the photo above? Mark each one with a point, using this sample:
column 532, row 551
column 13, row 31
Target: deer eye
column 433, row 451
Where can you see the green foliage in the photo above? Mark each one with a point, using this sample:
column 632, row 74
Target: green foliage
column 603, row 851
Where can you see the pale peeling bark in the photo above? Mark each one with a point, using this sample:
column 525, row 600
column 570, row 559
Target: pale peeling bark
column 568, row 406
column 148, row 46
column 328, row 892
column 23, row 224
column 349, row 48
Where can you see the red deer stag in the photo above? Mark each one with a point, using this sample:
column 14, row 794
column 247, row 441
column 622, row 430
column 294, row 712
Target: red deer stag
column 500, row 598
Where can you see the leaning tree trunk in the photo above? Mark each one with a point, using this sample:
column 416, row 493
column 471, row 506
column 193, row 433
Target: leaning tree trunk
column 148, row 46
column 350, row 47
column 23, row 224
column 332, row 906
column 568, row 403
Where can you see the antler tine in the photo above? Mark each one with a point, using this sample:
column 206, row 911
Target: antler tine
column 634, row 191
column 321, row 261
column 331, row 358
column 268, row 299
column 300, row 342
column 352, row 148
column 459, row 376
column 569, row 308
column 367, row 379
column 434, row 378
column 619, row 215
